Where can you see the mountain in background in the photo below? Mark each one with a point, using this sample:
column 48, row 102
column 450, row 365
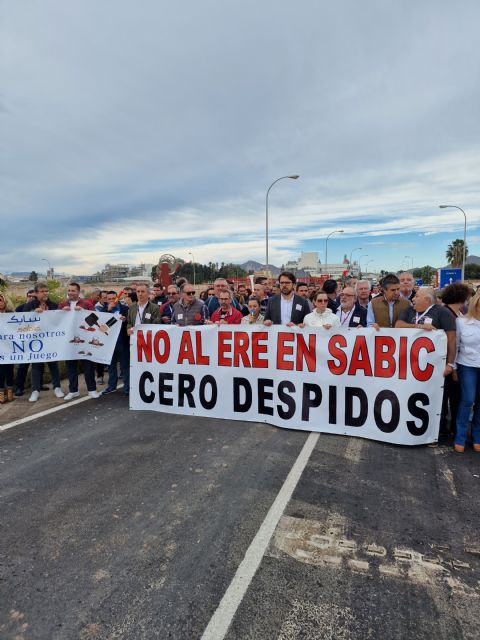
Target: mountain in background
column 253, row 265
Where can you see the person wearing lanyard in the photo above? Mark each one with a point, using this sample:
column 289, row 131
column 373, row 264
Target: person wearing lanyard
column 350, row 313
column 426, row 314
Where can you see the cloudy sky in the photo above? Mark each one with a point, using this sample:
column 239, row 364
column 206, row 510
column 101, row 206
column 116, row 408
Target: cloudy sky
column 129, row 130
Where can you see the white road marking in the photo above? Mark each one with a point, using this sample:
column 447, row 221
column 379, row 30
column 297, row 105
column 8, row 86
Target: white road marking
column 223, row 616
column 64, row 404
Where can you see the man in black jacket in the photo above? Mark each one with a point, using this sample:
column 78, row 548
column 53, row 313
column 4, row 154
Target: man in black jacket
column 351, row 314
column 286, row 308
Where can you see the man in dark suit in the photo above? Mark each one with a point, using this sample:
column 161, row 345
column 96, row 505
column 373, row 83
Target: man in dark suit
column 286, row 308
column 144, row 311
column 350, row 313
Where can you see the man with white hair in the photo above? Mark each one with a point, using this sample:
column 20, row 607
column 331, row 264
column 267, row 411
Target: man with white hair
column 213, row 303
column 362, row 289
column 428, row 315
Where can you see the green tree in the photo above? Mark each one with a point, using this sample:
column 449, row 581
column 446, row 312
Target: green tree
column 472, row 271
column 427, row 274
column 454, row 253
column 33, row 277
column 55, row 290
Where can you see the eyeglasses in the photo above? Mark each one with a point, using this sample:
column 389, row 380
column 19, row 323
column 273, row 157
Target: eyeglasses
column 172, row 293
column 322, row 300
column 286, row 282
column 189, row 293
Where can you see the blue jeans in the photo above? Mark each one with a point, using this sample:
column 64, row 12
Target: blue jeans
column 469, row 378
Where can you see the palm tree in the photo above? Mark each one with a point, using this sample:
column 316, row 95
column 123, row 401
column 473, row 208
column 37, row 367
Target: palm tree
column 454, row 253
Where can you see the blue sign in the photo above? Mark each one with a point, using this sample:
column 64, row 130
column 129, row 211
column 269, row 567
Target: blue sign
column 419, row 282
column 447, row 276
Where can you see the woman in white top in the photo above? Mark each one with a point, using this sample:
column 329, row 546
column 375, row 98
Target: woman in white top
column 322, row 316
column 254, row 315
column 468, row 368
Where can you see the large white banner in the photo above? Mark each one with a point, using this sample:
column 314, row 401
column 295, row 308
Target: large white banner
column 384, row 385
column 57, row 335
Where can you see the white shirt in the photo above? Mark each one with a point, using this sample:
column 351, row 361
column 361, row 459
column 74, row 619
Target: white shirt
column 468, row 341
column 139, row 316
column 73, row 304
column 316, row 319
column 286, row 309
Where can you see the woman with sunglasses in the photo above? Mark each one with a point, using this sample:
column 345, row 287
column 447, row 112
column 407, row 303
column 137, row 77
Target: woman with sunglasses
column 321, row 316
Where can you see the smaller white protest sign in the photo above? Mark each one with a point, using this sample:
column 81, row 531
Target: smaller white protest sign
column 58, row 335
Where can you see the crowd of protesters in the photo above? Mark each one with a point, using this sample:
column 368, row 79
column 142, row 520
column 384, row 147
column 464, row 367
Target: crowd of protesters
column 395, row 303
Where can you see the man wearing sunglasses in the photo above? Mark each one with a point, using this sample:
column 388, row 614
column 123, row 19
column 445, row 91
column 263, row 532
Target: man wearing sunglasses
column 188, row 310
column 166, row 310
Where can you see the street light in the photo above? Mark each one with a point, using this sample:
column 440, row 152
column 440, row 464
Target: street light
column 367, row 263
column 352, row 252
column 410, row 257
column 454, row 206
column 193, row 264
column 294, row 177
column 49, row 266
column 365, row 255
column 326, row 247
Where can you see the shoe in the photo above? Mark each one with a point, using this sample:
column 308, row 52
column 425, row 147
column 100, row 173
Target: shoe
column 476, row 447
column 107, row 391
column 94, row 394
column 19, row 392
column 458, row 448
column 33, row 396
column 71, row 395
column 58, row 392
column 100, row 381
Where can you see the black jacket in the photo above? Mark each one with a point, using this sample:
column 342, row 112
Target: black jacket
column 300, row 308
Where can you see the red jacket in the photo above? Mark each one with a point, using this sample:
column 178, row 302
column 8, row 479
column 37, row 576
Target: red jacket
column 84, row 304
column 233, row 316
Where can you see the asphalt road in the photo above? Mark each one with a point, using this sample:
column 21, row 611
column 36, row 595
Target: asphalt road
column 122, row 525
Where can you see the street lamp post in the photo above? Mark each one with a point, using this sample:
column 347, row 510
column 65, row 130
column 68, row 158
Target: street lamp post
column 193, row 265
column 351, row 254
column 326, row 248
column 454, row 206
column 365, row 255
column 367, row 263
column 294, row 177
column 410, row 258
column 49, row 266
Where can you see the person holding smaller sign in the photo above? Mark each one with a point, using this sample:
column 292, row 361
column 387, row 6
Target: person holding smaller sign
column 286, row 308
column 323, row 316
column 40, row 304
column 468, row 367
column 75, row 303
column 6, row 370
